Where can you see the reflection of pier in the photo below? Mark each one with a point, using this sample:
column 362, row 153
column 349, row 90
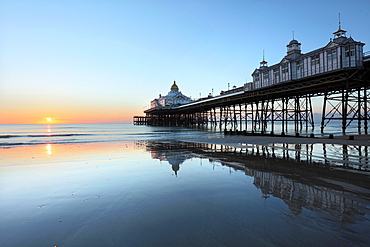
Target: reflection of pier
column 298, row 195
column 303, row 176
column 174, row 157
column 345, row 156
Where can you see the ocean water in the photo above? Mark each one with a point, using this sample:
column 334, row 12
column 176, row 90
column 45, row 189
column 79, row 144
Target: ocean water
column 36, row 134
column 126, row 185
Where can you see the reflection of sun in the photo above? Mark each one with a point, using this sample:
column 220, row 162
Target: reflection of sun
column 49, row 130
column 49, row 150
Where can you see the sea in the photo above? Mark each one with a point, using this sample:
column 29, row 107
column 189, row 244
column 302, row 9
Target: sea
column 134, row 185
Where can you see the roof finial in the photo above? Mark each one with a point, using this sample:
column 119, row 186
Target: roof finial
column 293, row 34
column 339, row 21
column 263, row 55
column 340, row 33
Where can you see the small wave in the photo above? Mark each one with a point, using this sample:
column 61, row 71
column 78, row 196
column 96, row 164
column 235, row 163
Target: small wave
column 6, row 136
column 4, row 145
column 44, row 135
column 15, row 144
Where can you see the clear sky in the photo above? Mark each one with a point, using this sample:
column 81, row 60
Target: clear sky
column 97, row 61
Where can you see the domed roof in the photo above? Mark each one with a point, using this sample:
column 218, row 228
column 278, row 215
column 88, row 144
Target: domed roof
column 293, row 42
column 174, row 86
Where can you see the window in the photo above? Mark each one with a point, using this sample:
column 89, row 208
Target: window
column 276, row 74
column 300, row 68
column 284, row 68
column 332, row 54
column 265, row 75
column 256, row 81
column 349, row 51
column 315, row 59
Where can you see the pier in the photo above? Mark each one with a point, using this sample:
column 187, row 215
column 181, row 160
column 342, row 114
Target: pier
column 279, row 99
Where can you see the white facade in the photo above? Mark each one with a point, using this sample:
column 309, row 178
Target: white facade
column 339, row 53
column 173, row 98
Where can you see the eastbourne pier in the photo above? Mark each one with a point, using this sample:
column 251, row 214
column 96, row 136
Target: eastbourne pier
column 280, row 96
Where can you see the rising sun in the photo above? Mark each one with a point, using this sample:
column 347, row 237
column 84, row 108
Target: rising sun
column 49, row 120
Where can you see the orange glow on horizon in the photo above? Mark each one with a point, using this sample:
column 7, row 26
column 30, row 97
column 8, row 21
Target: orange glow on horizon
column 68, row 116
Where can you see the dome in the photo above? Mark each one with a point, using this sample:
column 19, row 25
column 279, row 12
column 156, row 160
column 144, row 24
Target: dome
column 294, row 42
column 174, row 86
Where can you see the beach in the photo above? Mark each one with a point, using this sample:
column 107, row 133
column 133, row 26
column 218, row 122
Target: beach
column 238, row 140
column 171, row 187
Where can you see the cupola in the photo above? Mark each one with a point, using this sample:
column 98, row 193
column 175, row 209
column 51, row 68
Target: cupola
column 263, row 63
column 340, row 34
column 294, row 47
column 174, row 86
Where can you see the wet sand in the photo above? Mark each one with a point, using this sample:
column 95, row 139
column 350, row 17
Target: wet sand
column 240, row 141
column 148, row 188
column 134, row 194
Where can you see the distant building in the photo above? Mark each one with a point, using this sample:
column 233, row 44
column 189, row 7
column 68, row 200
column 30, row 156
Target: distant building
column 340, row 53
column 173, row 98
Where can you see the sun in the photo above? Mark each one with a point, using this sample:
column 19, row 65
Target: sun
column 49, row 120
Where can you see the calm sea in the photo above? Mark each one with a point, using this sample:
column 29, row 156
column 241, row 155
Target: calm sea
column 36, row 134
column 126, row 185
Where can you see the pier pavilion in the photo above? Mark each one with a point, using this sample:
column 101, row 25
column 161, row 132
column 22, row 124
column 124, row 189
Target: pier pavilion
column 173, row 98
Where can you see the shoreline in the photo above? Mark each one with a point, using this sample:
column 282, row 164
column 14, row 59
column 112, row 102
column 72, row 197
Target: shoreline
column 241, row 140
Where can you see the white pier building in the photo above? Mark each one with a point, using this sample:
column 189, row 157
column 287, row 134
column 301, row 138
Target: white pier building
column 340, row 53
column 173, row 98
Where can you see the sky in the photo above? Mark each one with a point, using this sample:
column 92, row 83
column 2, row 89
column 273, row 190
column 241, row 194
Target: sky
column 103, row 61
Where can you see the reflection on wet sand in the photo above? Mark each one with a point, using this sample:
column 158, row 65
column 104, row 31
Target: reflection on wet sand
column 110, row 193
column 353, row 156
column 49, row 150
column 298, row 174
column 174, row 158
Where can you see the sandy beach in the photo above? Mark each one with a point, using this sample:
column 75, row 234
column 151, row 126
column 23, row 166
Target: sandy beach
column 113, row 185
column 239, row 140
